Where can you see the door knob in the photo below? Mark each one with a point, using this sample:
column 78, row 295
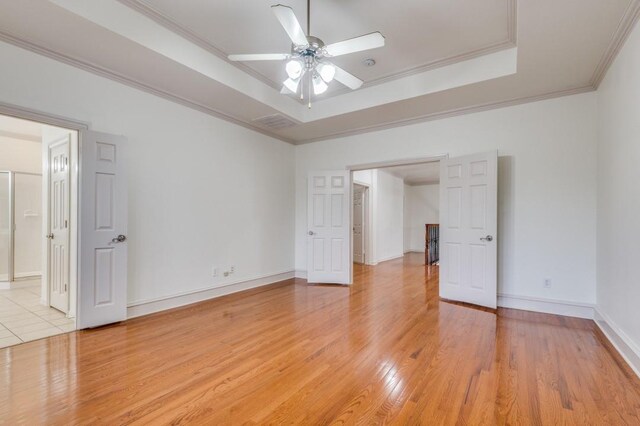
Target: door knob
column 119, row 239
column 312, row 233
column 487, row 238
column 50, row 236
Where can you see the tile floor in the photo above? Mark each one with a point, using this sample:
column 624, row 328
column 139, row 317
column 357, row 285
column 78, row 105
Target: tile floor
column 23, row 318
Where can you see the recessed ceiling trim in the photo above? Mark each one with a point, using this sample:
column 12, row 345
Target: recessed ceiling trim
column 138, row 28
column 162, row 19
column 627, row 23
column 451, row 113
column 146, row 9
column 104, row 72
column 493, row 48
column 128, row 81
column 483, row 68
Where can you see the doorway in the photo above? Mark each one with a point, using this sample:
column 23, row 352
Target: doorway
column 398, row 201
column 467, row 212
column 37, row 222
column 360, row 222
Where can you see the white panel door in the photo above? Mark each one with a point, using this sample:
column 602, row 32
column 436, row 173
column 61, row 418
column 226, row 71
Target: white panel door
column 358, row 223
column 102, row 290
column 468, row 229
column 328, row 208
column 59, row 217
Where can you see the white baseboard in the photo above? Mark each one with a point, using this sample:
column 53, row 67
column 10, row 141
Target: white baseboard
column 414, row 251
column 629, row 350
column 547, row 306
column 34, row 274
column 299, row 273
column 386, row 259
column 149, row 306
column 9, row 285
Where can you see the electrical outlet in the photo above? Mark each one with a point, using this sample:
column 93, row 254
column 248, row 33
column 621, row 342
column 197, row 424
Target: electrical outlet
column 232, row 269
column 547, row 283
column 214, row 271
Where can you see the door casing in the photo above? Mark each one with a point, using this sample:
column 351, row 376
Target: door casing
column 380, row 165
column 364, row 225
column 76, row 126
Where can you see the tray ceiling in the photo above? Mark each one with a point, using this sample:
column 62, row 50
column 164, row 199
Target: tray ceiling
column 440, row 59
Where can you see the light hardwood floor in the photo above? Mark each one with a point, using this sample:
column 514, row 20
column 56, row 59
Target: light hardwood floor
column 385, row 350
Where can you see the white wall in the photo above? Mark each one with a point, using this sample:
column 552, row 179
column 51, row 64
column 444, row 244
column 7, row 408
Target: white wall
column 388, row 217
column 547, row 185
column 19, row 155
column 202, row 192
column 407, row 221
column 618, row 247
column 386, row 214
column 422, row 206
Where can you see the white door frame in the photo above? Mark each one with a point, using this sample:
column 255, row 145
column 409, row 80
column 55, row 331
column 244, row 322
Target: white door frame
column 381, row 165
column 365, row 219
column 74, row 125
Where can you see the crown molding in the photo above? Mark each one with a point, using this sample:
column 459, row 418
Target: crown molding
column 131, row 82
column 452, row 113
column 144, row 8
column 104, row 72
column 626, row 25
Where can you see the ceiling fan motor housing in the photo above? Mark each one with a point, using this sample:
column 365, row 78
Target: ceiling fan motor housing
column 310, row 53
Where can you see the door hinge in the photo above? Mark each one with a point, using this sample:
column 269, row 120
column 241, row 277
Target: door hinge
column 66, row 224
column 65, row 287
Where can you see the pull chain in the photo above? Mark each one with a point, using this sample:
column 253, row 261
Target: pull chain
column 310, row 77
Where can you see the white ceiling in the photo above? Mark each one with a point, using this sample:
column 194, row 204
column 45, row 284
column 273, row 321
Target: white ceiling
column 441, row 57
column 417, row 32
column 417, row 174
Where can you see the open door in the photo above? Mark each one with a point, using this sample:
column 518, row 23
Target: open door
column 59, row 220
column 358, row 223
column 328, row 207
column 468, row 226
column 102, row 289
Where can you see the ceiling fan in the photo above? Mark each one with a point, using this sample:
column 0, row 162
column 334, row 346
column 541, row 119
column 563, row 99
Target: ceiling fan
column 308, row 63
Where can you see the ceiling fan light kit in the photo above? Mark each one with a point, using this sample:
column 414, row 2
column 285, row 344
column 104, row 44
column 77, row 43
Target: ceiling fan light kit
column 308, row 65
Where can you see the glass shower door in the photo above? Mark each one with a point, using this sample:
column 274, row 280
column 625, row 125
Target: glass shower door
column 5, row 225
column 28, row 236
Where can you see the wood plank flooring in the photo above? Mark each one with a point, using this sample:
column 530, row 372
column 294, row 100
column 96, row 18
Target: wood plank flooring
column 385, row 350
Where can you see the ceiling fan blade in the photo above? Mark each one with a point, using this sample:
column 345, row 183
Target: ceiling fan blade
column 357, row 44
column 290, row 24
column 260, row 57
column 349, row 80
